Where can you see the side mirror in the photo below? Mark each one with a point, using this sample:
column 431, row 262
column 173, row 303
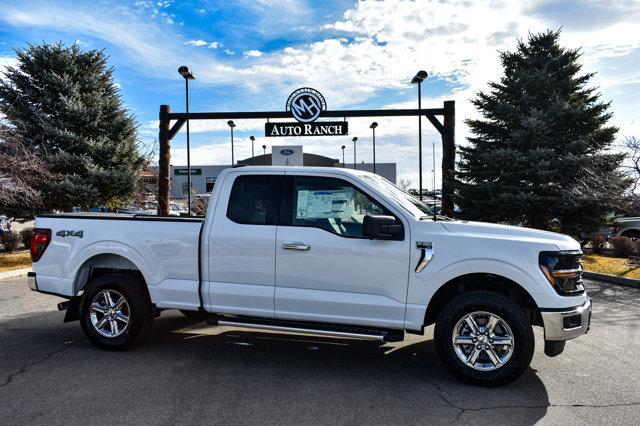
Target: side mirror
column 380, row 227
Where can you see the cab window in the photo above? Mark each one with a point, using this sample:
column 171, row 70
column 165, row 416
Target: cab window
column 254, row 200
column 331, row 204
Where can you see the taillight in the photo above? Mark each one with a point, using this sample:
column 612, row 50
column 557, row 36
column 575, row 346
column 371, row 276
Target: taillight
column 39, row 242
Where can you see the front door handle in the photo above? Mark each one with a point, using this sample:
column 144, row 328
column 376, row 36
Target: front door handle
column 296, row 246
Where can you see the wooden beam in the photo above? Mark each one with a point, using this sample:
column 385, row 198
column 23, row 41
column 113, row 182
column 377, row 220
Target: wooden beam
column 433, row 120
column 164, row 161
column 287, row 114
column 448, row 159
column 176, row 127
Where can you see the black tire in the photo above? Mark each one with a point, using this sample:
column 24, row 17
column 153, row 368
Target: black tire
column 497, row 304
column 195, row 315
column 140, row 310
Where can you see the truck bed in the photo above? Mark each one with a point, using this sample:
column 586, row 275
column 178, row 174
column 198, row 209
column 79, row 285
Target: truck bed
column 164, row 249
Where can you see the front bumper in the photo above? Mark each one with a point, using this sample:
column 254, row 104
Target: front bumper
column 566, row 324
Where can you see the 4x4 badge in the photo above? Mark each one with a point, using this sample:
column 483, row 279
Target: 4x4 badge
column 66, row 233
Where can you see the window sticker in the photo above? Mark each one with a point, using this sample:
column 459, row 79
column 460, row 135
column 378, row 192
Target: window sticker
column 335, row 204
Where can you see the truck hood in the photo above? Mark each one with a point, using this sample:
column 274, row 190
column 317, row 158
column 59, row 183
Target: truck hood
column 495, row 231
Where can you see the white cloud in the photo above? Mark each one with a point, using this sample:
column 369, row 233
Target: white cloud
column 252, row 53
column 197, row 42
column 6, row 61
column 202, row 126
column 374, row 48
column 209, row 44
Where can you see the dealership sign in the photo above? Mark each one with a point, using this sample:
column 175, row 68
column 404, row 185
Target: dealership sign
column 323, row 128
column 185, row 171
column 305, row 105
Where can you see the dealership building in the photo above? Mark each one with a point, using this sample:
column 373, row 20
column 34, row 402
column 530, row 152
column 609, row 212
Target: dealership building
column 203, row 178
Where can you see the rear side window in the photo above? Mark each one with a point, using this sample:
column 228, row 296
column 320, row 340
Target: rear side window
column 254, row 200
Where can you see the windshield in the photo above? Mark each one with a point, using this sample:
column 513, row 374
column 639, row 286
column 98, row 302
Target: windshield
column 406, row 200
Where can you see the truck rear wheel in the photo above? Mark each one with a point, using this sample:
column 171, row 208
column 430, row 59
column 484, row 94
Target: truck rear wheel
column 484, row 338
column 115, row 311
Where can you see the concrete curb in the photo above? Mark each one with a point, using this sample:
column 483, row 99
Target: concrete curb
column 627, row 282
column 14, row 273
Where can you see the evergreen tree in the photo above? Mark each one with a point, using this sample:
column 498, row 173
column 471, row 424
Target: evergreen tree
column 66, row 103
column 539, row 156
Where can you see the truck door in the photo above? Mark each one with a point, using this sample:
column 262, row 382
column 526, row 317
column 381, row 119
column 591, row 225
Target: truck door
column 326, row 270
column 242, row 245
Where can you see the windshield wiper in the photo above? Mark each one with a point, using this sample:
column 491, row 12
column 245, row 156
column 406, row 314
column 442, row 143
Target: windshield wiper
column 436, row 217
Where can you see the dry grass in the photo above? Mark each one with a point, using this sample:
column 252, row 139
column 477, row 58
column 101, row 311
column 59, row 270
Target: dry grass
column 17, row 260
column 611, row 266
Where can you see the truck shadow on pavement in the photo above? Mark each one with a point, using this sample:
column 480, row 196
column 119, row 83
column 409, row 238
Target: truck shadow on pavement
column 189, row 372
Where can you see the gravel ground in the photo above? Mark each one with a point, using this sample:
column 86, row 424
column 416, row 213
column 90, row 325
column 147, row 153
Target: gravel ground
column 194, row 373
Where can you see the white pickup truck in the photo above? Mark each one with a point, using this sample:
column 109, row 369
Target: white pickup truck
column 324, row 251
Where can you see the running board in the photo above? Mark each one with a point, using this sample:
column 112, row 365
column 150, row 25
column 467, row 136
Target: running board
column 320, row 329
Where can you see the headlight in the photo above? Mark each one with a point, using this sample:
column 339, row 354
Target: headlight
column 563, row 270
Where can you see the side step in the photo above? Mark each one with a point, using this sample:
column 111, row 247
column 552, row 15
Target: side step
column 321, row 329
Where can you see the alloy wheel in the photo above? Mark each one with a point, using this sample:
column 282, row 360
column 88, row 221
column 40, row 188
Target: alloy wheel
column 483, row 341
column 110, row 313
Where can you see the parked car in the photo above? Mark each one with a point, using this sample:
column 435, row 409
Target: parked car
column 627, row 227
column 176, row 209
column 334, row 252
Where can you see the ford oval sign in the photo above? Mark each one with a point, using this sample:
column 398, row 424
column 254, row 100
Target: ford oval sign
column 305, row 104
column 286, row 151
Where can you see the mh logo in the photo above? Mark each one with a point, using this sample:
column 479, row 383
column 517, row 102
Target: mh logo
column 305, row 104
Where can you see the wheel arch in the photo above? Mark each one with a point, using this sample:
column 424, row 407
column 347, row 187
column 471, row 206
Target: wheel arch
column 482, row 281
column 99, row 261
column 630, row 233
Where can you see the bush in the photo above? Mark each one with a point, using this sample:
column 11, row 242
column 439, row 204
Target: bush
column 25, row 237
column 10, row 240
column 623, row 246
column 598, row 244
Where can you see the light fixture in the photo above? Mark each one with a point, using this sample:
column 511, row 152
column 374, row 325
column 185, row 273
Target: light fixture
column 418, row 79
column 184, row 72
column 231, row 124
column 354, row 152
column 253, row 139
column 373, row 128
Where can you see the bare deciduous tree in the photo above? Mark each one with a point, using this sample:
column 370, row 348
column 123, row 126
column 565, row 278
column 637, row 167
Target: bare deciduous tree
column 632, row 145
column 147, row 185
column 199, row 204
column 21, row 169
column 404, row 184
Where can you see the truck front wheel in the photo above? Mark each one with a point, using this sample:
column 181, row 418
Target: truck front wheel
column 115, row 311
column 484, row 338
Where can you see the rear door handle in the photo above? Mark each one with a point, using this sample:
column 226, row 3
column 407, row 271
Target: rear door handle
column 296, row 246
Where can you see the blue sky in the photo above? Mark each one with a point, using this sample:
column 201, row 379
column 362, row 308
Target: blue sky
column 249, row 55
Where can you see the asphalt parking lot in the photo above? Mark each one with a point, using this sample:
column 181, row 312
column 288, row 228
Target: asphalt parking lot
column 194, row 373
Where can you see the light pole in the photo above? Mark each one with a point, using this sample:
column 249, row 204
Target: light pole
column 354, row 152
column 188, row 75
column 373, row 128
column 419, row 78
column 231, row 124
column 253, row 139
column 343, row 155
column 264, row 155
